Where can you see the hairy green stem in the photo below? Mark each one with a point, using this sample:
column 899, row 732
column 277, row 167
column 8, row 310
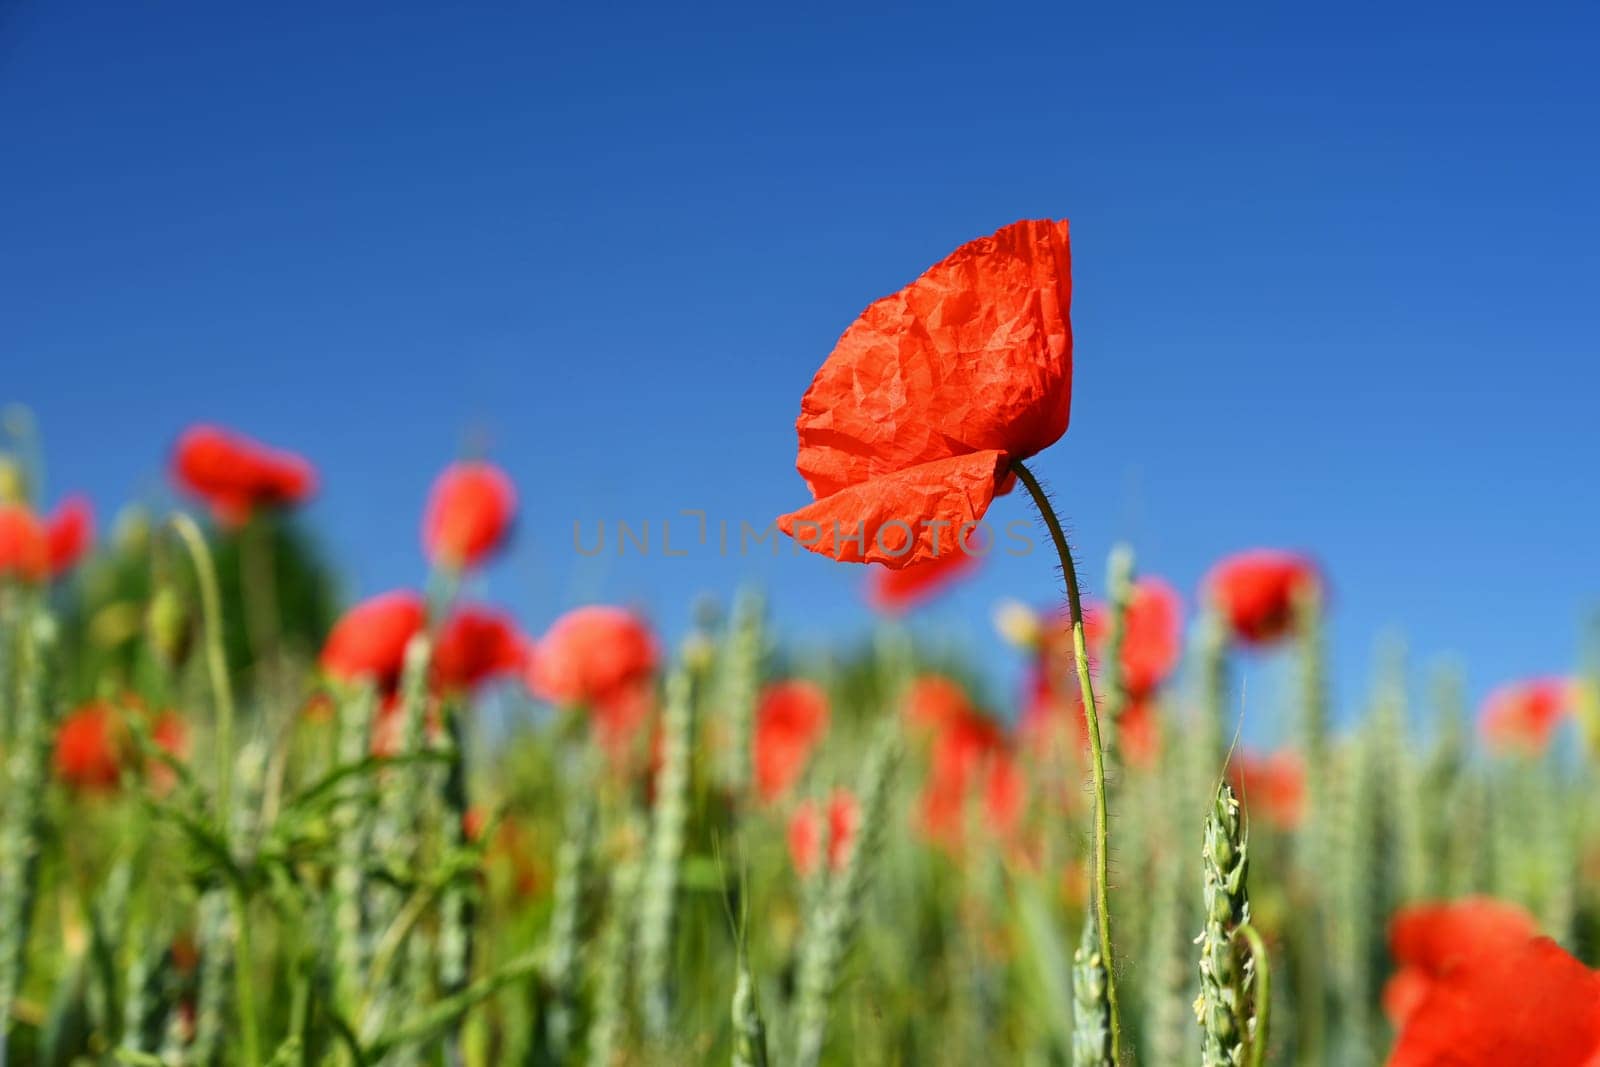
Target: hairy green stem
column 1096, row 751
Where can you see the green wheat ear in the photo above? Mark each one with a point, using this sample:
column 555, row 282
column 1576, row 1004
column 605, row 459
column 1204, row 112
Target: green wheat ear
column 1091, row 1017
column 1225, row 971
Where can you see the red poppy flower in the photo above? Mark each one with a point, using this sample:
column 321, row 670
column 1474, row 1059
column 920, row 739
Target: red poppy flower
column 93, row 747
column 369, row 641
column 1152, row 639
column 933, row 701
column 602, row 659
column 1271, row 787
column 791, row 718
column 1522, row 716
column 475, row 645
column 90, row 746
column 805, row 832
column 894, row 592
column 1428, row 940
column 237, row 475
column 69, row 533
column 971, row 761
column 469, row 511
column 1532, row 1004
column 24, row 548
column 1255, row 592
column 909, row 429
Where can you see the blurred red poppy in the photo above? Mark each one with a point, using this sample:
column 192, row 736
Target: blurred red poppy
column 368, row 643
column 24, row 548
column 805, row 832
column 1428, row 940
column 791, row 718
column 93, row 747
column 909, row 428
column 602, row 659
column 237, row 475
column 1255, row 591
column 1522, row 716
column 69, row 534
column 971, row 761
column 1152, row 637
column 475, row 645
column 469, row 512
column 895, row 592
column 933, row 702
column 1272, row 788
column 1533, row 1004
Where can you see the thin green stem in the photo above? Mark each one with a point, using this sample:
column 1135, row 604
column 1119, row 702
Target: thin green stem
column 1262, row 994
column 216, row 661
column 217, row 665
column 1096, row 751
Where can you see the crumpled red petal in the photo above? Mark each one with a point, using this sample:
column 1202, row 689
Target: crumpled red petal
column 888, row 508
column 975, row 355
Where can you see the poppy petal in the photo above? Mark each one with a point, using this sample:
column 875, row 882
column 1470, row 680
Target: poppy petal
column 928, row 502
column 973, row 356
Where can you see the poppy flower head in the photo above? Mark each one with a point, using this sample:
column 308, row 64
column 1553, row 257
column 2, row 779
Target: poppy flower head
column 909, row 428
column 1272, row 788
column 1152, row 639
column 24, row 546
column 1527, row 1003
column 1427, row 940
column 236, row 475
column 970, row 762
column 1255, row 592
column 475, row 645
column 1522, row 716
column 469, row 513
column 933, row 702
column 369, row 641
column 791, row 718
column 806, row 827
column 90, row 746
column 591, row 655
column 895, row 592
column 69, row 534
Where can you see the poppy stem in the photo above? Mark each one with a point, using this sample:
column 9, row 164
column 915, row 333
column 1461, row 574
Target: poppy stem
column 1096, row 751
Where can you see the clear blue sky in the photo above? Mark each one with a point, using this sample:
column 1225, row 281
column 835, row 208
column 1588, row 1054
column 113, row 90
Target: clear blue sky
column 1336, row 277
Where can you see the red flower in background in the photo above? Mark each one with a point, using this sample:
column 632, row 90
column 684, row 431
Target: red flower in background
column 475, row 645
column 469, row 513
column 237, row 475
column 933, row 702
column 69, row 534
column 1428, row 940
column 1152, row 636
column 90, row 747
column 916, row 416
column 895, row 592
column 602, row 659
column 971, row 761
column 1255, row 592
column 369, row 641
column 1532, row 1004
column 93, row 747
column 791, row 718
column 1271, row 787
column 24, row 550
column 1523, row 715
column 805, row 832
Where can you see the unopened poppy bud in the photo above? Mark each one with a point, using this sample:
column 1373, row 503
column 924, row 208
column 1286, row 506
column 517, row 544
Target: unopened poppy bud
column 13, row 482
column 167, row 625
column 130, row 534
